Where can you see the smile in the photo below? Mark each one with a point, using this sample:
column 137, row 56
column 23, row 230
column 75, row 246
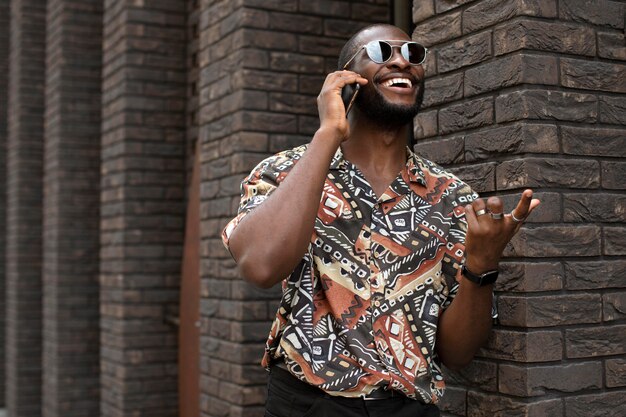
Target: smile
column 398, row 82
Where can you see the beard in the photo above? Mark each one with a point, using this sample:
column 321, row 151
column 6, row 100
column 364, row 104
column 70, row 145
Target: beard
column 389, row 115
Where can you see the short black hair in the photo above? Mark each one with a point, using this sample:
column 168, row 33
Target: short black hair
column 353, row 44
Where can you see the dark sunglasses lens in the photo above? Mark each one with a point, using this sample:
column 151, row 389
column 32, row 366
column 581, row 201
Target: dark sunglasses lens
column 378, row 51
column 414, row 52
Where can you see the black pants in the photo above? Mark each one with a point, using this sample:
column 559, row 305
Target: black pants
column 289, row 397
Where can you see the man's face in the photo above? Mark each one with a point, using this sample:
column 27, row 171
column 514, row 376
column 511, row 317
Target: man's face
column 396, row 88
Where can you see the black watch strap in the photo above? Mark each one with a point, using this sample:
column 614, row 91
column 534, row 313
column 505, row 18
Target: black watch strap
column 486, row 278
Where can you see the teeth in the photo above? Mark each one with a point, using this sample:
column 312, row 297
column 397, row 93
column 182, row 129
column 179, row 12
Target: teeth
column 393, row 81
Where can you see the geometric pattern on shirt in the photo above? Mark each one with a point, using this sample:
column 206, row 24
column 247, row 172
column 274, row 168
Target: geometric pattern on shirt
column 360, row 311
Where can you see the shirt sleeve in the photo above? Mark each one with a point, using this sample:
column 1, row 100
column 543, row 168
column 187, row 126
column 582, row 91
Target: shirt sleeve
column 455, row 248
column 257, row 187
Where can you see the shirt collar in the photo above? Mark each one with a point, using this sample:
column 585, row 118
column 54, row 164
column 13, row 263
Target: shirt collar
column 414, row 172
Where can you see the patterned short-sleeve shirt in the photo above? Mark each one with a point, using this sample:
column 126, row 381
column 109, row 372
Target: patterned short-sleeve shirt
column 360, row 310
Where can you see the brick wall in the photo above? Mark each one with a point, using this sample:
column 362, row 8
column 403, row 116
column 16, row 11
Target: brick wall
column 529, row 93
column 261, row 68
column 24, row 210
column 4, row 69
column 142, row 210
column 71, row 205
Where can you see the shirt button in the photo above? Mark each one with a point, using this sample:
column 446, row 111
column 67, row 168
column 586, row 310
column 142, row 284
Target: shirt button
column 376, row 303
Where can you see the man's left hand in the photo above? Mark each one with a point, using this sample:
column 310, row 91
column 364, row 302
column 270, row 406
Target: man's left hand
column 490, row 229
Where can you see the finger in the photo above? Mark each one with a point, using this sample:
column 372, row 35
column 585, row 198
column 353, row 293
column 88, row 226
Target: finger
column 522, row 209
column 470, row 217
column 495, row 207
column 480, row 209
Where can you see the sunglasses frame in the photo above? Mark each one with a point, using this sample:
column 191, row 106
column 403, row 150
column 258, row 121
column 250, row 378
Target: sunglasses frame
column 404, row 43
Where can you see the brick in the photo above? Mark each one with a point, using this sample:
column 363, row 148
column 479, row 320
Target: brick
column 555, row 241
column 467, row 51
column 264, row 80
column 250, row 141
column 279, row 142
column 524, row 346
column 423, row 10
column 425, row 124
column 510, row 70
column 611, row 45
column 481, row 177
column 439, row 29
column 595, row 274
column 592, row 75
column 293, row 62
column 487, row 405
column 546, row 105
column 595, row 341
column 603, row 12
column 243, row 396
column 467, row 115
column 479, row 374
column 371, row 13
column 512, row 139
column 614, row 306
column 320, row 45
column 549, row 311
column 293, row 103
column 490, row 12
column 544, row 36
column 612, row 109
column 442, row 151
column 535, row 172
column 265, row 121
column 596, row 405
column 540, row 380
column 613, row 175
column 308, row 125
column 445, row 5
column 247, row 374
column 310, row 84
column 325, row 7
column 530, row 277
column 614, row 240
column 442, row 90
column 282, row 6
column 615, row 371
column 339, row 28
column 593, row 141
column 594, row 208
column 289, row 22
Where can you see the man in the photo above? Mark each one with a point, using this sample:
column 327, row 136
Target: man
column 387, row 262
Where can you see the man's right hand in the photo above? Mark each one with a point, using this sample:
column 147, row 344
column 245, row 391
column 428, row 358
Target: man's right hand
column 332, row 111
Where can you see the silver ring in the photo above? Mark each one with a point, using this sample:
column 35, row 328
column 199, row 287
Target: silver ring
column 496, row 216
column 480, row 212
column 515, row 219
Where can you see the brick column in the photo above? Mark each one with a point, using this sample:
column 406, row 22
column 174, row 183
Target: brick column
column 24, row 208
column 261, row 68
column 142, row 211
column 71, row 209
column 4, row 70
column 530, row 93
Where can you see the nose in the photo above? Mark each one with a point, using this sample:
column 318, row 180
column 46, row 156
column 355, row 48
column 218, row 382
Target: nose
column 397, row 59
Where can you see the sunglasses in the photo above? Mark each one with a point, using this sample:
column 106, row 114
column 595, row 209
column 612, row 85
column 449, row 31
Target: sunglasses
column 382, row 51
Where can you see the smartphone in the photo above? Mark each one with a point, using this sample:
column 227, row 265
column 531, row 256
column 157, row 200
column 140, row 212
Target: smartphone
column 348, row 95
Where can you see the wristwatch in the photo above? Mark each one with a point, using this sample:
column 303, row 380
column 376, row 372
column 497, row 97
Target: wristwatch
column 486, row 278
